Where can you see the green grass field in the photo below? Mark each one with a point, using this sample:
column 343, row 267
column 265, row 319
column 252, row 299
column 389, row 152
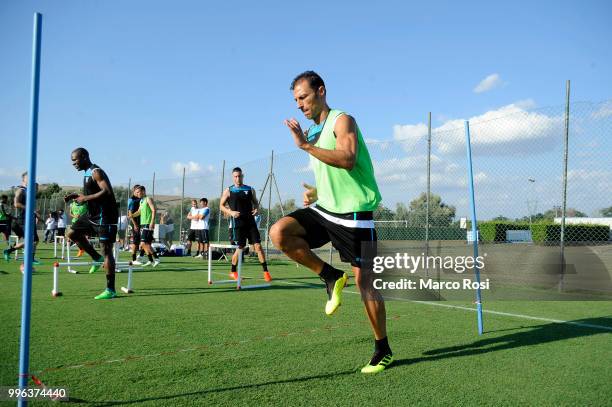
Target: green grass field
column 179, row 341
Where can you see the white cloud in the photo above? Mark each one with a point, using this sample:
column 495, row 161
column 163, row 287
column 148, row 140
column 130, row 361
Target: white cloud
column 191, row 168
column 307, row 168
column 507, row 130
column 490, row 82
column 604, row 111
column 409, row 134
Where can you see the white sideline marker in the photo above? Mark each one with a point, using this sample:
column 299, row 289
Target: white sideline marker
column 238, row 281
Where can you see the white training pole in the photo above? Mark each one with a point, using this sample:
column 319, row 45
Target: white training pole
column 128, row 289
column 238, row 281
column 64, row 243
column 56, row 292
column 210, row 281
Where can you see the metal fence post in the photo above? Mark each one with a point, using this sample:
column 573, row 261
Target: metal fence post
column 270, row 175
column 564, row 199
column 182, row 209
column 428, row 189
column 219, row 222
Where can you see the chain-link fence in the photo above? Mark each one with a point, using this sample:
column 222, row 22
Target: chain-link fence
column 519, row 176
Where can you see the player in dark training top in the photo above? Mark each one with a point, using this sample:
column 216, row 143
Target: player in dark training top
column 101, row 218
column 243, row 207
column 18, row 225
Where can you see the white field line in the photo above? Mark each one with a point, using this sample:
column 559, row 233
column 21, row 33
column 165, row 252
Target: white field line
column 486, row 311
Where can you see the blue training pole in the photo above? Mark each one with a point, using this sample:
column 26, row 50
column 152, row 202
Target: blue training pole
column 474, row 228
column 26, row 296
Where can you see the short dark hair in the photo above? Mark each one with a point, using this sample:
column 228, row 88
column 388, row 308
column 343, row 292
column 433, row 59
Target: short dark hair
column 135, row 187
column 237, row 169
column 81, row 152
column 314, row 80
column 142, row 188
column 204, row 200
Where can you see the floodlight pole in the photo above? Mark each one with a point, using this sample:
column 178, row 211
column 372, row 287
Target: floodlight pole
column 26, row 296
column 474, row 225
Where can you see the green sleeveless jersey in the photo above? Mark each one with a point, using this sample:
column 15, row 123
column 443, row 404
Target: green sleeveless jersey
column 3, row 212
column 77, row 210
column 146, row 215
column 340, row 190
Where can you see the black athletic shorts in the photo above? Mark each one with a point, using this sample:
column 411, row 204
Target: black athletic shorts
column 107, row 232
column 244, row 230
column 135, row 237
column 345, row 231
column 198, row 235
column 5, row 227
column 146, row 234
column 61, row 231
column 193, row 235
column 19, row 229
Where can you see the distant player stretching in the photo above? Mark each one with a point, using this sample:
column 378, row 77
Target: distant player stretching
column 346, row 194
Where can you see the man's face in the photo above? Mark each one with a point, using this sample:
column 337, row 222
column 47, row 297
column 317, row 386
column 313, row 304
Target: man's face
column 309, row 101
column 78, row 161
column 238, row 177
column 194, row 204
column 139, row 193
column 202, row 204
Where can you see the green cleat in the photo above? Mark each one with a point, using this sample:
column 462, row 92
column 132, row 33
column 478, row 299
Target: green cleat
column 378, row 367
column 7, row 255
column 96, row 266
column 36, row 262
column 106, row 295
column 334, row 292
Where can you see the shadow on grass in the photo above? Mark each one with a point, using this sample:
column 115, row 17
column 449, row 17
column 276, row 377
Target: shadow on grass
column 217, row 390
column 536, row 335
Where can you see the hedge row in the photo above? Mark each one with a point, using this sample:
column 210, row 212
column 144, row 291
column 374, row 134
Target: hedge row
column 545, row 232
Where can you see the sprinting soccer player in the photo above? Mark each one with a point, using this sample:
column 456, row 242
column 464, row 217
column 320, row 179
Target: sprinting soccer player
column 243, row 207
column 133, row 206
column 346, row 194
column 100, row 219
column 5, row 218
column 194, row 234
column 147, row 212
column 18, row 226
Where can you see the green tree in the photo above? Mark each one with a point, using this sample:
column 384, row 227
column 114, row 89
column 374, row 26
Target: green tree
column 440, row 214
column 49, row 191
column 383, row 213
column 500, row 218
column 606, row 212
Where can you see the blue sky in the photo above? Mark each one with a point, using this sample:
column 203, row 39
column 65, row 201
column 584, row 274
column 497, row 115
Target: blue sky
column 148, row 86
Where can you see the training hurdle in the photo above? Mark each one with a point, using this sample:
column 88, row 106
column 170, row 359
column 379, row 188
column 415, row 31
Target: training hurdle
column 16, row 239
column 64, row 243
column 56, row 268
column 238, row 281
column 69, row 263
